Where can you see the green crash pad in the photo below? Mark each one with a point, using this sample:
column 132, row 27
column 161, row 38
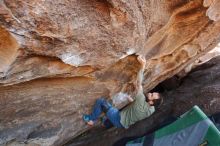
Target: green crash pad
column 193, row 128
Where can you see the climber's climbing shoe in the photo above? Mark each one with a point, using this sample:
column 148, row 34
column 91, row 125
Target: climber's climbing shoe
column 87, row 119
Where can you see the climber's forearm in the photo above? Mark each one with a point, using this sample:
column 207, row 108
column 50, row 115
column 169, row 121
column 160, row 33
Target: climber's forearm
column 140, row 74
column 139, row 80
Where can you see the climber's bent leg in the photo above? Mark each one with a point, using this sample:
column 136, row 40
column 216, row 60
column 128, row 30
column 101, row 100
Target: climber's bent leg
column 100, row 106
column 113, row 115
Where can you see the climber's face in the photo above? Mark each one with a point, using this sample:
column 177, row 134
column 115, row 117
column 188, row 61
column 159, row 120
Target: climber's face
column 152, row 96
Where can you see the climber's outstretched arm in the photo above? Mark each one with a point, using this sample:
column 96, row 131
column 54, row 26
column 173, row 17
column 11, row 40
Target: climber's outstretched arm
column 140, row 75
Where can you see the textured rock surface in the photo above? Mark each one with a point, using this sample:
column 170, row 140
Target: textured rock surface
column 213, row 53
column 213, row 11
column 57, row 57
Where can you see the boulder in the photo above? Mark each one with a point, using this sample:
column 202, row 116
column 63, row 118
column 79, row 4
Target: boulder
column 58, row 57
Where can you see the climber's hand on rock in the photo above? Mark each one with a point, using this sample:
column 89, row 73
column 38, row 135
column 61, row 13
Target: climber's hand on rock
column 141, row 60
column 130, row 99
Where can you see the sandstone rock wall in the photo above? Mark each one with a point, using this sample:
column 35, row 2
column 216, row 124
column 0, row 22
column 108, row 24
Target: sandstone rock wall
column 57, row 57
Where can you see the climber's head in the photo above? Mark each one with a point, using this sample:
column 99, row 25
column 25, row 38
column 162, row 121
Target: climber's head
column 154, row 99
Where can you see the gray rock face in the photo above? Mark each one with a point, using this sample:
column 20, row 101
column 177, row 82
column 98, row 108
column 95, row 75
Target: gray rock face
column 57, row 57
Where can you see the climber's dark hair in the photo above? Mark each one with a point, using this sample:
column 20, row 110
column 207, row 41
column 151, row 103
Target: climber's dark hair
column 156, row 102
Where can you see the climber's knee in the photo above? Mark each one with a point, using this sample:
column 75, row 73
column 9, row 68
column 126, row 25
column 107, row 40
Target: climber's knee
column 100, row 100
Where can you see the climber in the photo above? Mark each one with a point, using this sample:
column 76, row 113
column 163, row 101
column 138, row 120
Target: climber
column 141, row 107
